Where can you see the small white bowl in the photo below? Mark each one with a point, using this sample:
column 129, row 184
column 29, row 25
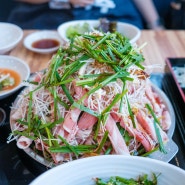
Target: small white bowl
column 40, row 36
column 126, row 29
column 84, row 171
column 10, row 36
column 17, row 65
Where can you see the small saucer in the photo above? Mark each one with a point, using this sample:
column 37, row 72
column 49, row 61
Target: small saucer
column 43, row 42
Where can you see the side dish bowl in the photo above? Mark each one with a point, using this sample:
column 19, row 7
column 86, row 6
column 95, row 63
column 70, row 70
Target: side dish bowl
column 10, row 36
column 84, row 171
column 126, row 29
column 43, row 41
column 16, row 65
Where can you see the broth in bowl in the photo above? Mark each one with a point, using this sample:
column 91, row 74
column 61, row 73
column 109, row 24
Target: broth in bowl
column 9, row 79
column 13, row 73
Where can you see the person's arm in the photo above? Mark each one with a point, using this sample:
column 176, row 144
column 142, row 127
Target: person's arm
column 34, row 1
column 149, row 13
column 81, row 2
column 73, row 2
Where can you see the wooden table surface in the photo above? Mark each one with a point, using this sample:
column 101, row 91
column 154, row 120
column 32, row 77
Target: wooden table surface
column 160, row 45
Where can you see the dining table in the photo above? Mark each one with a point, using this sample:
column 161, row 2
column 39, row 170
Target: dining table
column 157, row 46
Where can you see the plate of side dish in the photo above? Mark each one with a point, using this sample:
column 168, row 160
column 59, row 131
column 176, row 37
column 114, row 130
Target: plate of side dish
column 13, row 73
column 69, row 29
column 117, row 169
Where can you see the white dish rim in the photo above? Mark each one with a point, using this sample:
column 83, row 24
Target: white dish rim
column 112, row 164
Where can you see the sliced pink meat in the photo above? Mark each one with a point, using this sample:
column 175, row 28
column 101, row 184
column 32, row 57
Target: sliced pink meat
column 86, row 121
column 71, row 118
column 115, row 137
column 24, row 142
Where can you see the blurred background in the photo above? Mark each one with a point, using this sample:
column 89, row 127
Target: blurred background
column 171, row 13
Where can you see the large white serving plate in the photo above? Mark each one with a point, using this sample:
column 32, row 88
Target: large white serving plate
column 128, row 30
column 83, row 171
column 170, row 146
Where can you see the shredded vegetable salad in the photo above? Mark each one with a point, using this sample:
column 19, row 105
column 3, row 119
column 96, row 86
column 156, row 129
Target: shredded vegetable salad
column 117, row 180
column 104, row 26
column 94, row 98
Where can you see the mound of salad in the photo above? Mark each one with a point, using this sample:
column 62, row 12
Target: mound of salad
column 104, row 26
column 94, row 98
column 118, row 180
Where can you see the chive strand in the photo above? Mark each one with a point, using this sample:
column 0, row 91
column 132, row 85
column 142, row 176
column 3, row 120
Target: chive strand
column 156, row 122
column 131, row 113
column 102, row 143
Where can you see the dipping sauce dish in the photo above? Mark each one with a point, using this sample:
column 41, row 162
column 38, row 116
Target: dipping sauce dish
column 43, row 42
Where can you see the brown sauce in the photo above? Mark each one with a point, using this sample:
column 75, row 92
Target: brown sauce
column 14, row 75
column 45, row 43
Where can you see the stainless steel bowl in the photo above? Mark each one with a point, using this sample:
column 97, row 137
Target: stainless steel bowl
column 170, row 146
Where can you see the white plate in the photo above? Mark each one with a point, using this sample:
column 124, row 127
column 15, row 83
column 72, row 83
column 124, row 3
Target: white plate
column 18, row 65
column 126, row 29
column 39, row 35
column 10, row 36
column 82, row 171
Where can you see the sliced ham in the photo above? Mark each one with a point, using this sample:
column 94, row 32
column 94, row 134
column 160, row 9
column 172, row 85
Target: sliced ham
column 148, row 126
column 70, row 120
column 70, row 125
column 151, row 96
column 166, row 120
column 86, row 121
column 115, row 137
column 24, row 142
column 140, row 135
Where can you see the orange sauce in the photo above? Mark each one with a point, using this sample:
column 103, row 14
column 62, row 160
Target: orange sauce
column 45, row 43
column 13, row 74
